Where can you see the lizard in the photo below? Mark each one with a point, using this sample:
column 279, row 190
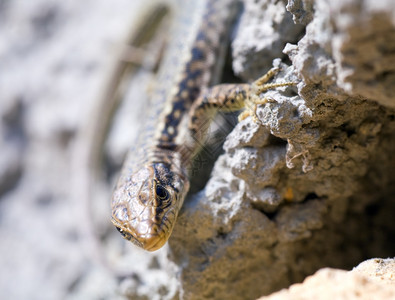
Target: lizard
column 154, row 179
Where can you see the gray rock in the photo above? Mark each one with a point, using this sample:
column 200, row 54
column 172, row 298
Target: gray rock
column 265, row 27
column 311, row 184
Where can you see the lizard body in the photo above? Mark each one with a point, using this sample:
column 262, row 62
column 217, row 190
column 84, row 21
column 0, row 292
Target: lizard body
column 154, row 179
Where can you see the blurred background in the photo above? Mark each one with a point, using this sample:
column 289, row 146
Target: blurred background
column 54, row 60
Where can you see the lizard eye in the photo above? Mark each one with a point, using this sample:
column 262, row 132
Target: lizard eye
column 162, row 193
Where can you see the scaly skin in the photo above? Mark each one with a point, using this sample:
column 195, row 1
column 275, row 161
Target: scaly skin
column 154, row 179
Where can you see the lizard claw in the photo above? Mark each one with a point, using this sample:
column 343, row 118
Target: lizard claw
column 259, row 86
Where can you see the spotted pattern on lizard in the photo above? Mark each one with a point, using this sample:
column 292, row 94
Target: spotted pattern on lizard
column 154, row 179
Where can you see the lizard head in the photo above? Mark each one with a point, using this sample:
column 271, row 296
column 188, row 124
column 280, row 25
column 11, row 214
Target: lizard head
column 145, row 205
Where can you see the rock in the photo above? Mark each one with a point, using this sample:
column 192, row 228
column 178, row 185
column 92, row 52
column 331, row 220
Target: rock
column 326, row 284
column 377, row 269
column 265, row 28
column 314, row 182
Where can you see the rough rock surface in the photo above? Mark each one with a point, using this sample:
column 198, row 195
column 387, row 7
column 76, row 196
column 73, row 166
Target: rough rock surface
column 329, row 284
column 264, row 29
column 313, row 187
column 380, row 270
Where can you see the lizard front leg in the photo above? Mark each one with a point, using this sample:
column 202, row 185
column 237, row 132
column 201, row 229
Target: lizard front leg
column 228, row 98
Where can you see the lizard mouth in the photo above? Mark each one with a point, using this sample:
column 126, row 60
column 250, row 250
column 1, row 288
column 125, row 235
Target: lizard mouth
column 152, row 243
column 126, row 234
column 149, row 242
